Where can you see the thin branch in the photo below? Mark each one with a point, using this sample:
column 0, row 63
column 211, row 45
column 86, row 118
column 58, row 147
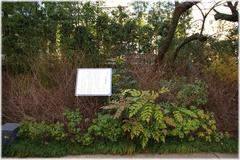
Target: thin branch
column 216, row 11
column 235, row 4
column 204, row 16
column 215, row 5
column 228, row 17
column 232, row 8
column 189, row 39
column 200, row 10
column 198, row 36
column 195, row 21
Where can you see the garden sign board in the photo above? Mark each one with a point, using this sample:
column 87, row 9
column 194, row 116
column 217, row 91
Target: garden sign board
column 94, row 82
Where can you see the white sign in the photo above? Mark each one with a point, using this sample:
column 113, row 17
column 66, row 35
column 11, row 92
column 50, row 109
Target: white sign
column 94, row 82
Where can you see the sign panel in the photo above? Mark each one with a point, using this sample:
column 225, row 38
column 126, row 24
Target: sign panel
column 94, row 82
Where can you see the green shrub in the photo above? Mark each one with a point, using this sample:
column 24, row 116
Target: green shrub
column 190, row 122
column 183, row 93
column 144, row 120
column 106, row 127
column 57, row 131
column 121, row 78
column 42, row 131
column 34, row 130
column 74, row 119
column 193, row 94
column 137, row 118
column 87, row 139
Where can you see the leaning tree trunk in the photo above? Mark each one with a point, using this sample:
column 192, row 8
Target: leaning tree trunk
column 180, row 8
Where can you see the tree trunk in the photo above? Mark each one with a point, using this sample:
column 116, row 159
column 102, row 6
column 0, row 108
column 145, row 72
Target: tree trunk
column 189, row 39
column 180, row 8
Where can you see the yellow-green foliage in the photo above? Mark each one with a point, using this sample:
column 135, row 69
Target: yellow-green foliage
column 138, row 118
column 74, row 118
column 104, row 126
column 144, row 117
column 193, row 94
column 42, row 131
column 191, row 123
column 225, row 68
column 56, row 131
column 144, row 120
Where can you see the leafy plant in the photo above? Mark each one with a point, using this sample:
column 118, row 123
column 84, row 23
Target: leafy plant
column 193, row 94
column 73, row 120
column 34, row 130
column 73, row 117
column 144, row 120
column 105, row 126
column 121, row 77
column 224, row 67
column 57, row 131
column 137, row 117
column 87, row 139
column 42, row 131
column 190, row 122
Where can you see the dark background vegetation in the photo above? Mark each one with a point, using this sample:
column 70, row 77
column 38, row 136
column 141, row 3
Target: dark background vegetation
column 44, row 44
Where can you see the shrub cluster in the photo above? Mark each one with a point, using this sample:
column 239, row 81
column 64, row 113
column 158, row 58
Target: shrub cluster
column 42, row 131
column 137, row 118
column 144, row 120
column 183, row 93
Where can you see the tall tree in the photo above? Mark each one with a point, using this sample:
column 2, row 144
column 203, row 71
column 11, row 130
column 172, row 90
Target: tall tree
column 179, row 9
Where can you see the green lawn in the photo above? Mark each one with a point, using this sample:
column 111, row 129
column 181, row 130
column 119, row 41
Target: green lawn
column 27, row 148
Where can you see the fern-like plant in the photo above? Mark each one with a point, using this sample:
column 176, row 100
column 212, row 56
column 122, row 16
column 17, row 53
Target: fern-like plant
column 144, row 120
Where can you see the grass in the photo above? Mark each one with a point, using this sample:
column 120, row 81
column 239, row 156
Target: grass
column 28, row 148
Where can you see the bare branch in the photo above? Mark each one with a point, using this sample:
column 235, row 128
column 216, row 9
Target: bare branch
column 216, row 11
column 189, row 39
column 197, row 36
column 232, row 8
column 228, row 17
column 235, row 4
column 215, row 5
column 200, row 10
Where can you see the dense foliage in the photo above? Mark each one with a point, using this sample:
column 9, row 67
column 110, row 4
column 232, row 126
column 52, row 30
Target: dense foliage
column 138, row 118
column 72, row 29
column 106, row 127
column 42, row 131
column 45, row 42
column 193, row 94
column 143, row 119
